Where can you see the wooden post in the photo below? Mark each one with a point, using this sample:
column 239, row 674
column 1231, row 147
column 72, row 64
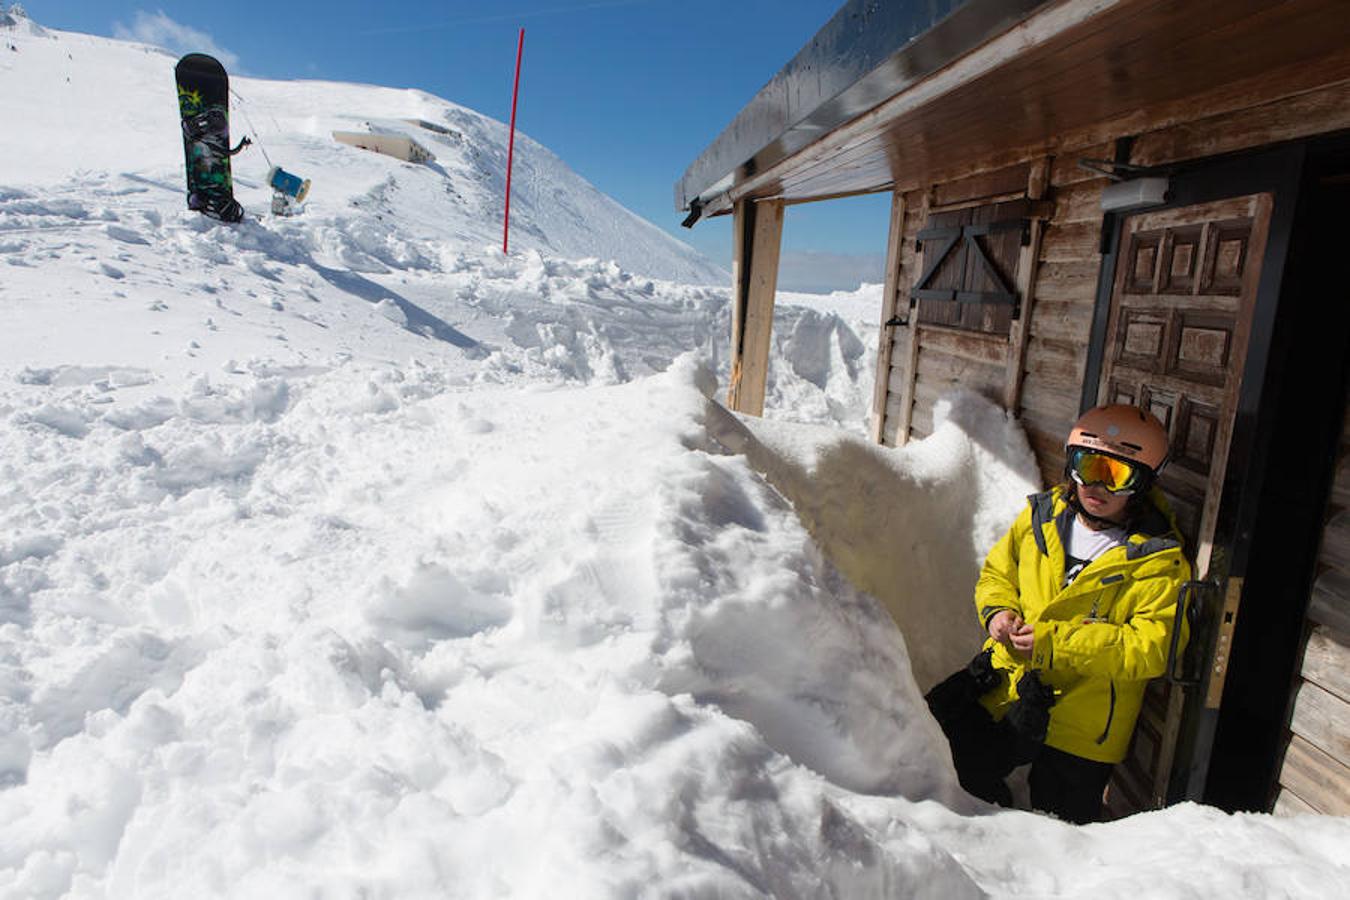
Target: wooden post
column 890, row 303
column 742, row 232
column 1038, row 183
column 909, row 346
column 758, row 228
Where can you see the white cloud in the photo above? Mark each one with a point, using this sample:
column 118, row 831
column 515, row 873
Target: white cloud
column 160, row 30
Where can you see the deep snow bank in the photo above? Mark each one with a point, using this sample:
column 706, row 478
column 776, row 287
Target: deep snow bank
column 360, row 630
column 267, row 640
column 910, row 527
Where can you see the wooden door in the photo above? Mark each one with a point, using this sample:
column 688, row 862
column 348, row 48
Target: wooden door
column 1177, row 338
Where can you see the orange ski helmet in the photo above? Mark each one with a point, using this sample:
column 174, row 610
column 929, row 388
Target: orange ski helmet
column 1127, row 432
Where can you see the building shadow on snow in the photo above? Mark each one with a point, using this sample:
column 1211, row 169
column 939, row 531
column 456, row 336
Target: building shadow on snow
column 173, row 188
column 419, row 320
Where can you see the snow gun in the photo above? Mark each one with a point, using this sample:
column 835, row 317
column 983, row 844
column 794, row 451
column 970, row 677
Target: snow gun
column 292, row 186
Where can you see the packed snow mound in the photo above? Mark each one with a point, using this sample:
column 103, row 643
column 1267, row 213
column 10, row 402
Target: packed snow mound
column 911, row 527
column 363, row 631
column 122, row 97
column 336, row 636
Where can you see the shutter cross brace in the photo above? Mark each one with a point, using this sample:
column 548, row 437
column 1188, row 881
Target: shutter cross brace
column 966, row 235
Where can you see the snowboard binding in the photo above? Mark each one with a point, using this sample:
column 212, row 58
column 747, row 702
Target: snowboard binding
column 215, row 206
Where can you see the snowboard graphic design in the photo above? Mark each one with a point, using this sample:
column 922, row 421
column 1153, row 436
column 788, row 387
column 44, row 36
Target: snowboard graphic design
column 203, row 104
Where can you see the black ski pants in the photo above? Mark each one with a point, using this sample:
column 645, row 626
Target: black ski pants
column 985, row 752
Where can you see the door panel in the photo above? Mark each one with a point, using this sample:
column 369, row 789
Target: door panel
column 1177, row 337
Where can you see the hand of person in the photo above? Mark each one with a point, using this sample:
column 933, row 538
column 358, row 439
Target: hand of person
column 1023, row 638
column 1002, row 625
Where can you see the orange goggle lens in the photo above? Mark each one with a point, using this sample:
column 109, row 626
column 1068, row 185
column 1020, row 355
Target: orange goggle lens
column 1116, row 475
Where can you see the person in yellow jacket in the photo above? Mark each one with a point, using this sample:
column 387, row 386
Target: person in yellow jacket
column 1079, row 599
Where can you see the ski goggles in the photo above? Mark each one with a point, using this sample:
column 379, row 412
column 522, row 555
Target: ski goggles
column 1117, row 475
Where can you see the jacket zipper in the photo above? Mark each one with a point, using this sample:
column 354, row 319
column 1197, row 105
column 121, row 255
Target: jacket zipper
column 1110, row 714
column 1080, row 583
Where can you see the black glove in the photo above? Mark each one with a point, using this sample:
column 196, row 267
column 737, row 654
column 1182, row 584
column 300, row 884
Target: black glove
column 951, row 698
column 982, row 670
column 1030, row 715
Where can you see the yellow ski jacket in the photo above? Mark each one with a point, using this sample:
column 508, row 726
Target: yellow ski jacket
column 1098, row 640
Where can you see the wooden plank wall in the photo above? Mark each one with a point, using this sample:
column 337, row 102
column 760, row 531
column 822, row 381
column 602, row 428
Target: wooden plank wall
column 1060, row 327
column 897, row 412
column 1065, row 283
column 926, row 362
column 1315, row 776
column 1060, row 302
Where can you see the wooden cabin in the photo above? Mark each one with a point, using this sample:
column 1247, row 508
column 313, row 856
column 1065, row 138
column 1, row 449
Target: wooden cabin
column 1137, row 201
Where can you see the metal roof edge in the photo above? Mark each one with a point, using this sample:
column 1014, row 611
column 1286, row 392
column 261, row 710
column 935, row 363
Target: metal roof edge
column 868, row 52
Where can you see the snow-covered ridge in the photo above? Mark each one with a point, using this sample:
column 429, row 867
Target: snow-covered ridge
column 590, row 292
column 16, row 20
column 90, row 107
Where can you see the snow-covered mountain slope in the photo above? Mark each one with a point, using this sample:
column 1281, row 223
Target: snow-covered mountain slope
column 91, row 184
column 87, row 109
column 343, row 556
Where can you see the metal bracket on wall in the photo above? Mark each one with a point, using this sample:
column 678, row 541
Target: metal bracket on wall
column 901, row 320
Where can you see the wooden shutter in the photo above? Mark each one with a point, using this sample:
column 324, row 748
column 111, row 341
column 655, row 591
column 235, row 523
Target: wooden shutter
column 970, row 276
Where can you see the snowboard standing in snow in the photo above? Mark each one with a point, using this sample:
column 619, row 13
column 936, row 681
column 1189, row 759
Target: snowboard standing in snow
column 203, row 104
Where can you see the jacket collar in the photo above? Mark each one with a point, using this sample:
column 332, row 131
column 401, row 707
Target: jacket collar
column 1152, row 532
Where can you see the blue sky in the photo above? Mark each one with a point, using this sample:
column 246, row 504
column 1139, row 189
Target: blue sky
column 627, row 92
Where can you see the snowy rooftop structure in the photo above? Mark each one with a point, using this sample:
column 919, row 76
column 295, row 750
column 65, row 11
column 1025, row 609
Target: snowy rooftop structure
column 399, row 146
column 438, row 129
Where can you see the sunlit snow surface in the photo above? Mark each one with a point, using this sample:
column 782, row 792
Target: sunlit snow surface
column 342, row 556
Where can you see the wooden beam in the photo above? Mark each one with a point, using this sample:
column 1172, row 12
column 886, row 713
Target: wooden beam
column 759, row 237
column 1320, row 110
column 839, row 196
column 1038, row 30
column 982, row 189
column 908, row 335
column 1139, row 67
column 889, row 304
column 1038, row 182
column 742, row 233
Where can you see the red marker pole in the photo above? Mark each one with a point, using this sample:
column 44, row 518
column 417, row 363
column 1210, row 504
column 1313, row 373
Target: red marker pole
column 511, row 143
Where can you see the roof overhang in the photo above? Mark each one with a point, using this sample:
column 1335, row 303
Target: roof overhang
column 886, row 97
